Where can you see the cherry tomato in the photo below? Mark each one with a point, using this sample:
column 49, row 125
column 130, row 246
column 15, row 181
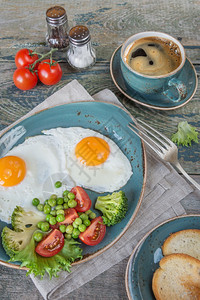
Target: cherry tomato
column 24, row 79
column 24, row 58
column 83, row 200
column 70, row 216
column 95, row 233
column 47, row 74
column 51, row 244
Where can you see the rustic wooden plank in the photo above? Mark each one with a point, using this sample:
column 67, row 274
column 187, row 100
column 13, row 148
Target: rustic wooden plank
column 110, row 23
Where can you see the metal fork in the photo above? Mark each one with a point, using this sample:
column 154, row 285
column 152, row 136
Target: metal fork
column 161, row 145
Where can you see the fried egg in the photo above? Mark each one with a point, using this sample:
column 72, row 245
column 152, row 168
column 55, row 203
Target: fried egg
column 75, row 155
column 93, row 161
column 26, row 172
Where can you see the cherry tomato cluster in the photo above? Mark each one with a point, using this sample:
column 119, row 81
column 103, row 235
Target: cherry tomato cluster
column 30, row 68
column 67, row 217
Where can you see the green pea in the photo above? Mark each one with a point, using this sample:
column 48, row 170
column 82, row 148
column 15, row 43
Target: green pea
column 69, row 229
column 39, row 224
column 74, row 225
column 58, row 184
column 81, row 227
column 53, row 213
column 72, row 203
column 45, row 226
column 62, row 228
column 68, row 236
column 60, row 200
column 60, row 218
column 53, row 196
column 71, row 196
column 92, row 215
column 66, row 199
column 52, row 202
column 65, row 206
column 60, row 212
column 65, row 193
column 46, row 201
column 86, row 222
column 76, row 231
column 78, row 221
column 48, row 216
column 75, row 236
column 88, row 212
column 52, row 220
column 84, row 217
column 38, row 236
column 59, row 207
column 40, row 207
column 47, row 209
column 35, row 201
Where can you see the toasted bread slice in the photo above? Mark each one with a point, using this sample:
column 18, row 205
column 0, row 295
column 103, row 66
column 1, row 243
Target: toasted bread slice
column 184, row 241
column 178, row 278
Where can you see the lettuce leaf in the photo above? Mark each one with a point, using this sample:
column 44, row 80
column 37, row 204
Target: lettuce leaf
column 38, row 265
column 185, row 134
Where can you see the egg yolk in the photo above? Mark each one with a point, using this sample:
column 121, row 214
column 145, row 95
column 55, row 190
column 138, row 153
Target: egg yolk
column 92, row 151
column 12, row 170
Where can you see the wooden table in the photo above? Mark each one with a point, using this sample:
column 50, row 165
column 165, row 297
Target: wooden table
column 23, row 25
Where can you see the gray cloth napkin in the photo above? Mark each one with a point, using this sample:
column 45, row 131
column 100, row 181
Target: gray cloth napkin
column 165, row 188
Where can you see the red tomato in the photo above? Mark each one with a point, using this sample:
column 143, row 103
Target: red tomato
column 70, row 216
column 83, row 200
column 95, row 233
column 51, row 244
column 24, row 79
column 24, row 58
column 47, row 74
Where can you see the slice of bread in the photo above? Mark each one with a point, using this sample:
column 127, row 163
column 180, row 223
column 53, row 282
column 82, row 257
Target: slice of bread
column 178, row 278
column 184, row 241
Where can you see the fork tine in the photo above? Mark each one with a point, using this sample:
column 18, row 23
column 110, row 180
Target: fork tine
column 158, row 151
column 148, row 135
column 156, row 131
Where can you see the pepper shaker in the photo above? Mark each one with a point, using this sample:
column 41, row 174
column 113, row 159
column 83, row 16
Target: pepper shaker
column 80, row 54
column 57, row 27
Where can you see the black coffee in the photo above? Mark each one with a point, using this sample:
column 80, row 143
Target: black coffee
column 153, row 56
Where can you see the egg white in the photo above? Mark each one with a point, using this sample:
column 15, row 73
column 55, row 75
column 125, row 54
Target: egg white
column 51, row 157
column 106, row 177
column 44, row 163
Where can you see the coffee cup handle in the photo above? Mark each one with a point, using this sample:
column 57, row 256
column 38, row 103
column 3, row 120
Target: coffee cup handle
column 179, row 86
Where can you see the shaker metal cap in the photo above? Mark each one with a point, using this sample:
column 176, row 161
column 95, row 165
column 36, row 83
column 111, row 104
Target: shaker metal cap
column 79, row 35
column 56, row 15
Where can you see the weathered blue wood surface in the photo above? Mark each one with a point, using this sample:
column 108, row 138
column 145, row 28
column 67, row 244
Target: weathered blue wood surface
column 23, row 24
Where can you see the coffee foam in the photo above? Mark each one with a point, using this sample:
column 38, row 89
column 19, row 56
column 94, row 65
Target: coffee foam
column 153, row 56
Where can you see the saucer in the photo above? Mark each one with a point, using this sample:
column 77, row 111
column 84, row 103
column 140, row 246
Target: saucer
column 157, row 100
column 144, row 260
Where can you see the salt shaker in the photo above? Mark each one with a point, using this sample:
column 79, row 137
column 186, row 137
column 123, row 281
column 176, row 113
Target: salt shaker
column 57, row 27
column 80, row 54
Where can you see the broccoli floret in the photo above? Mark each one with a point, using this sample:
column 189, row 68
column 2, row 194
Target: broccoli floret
column 113, row 207
column 24, row 224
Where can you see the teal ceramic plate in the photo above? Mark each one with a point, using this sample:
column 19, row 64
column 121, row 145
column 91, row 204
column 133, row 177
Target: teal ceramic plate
column 109, row 120
column 146, row 256
column 157, row 100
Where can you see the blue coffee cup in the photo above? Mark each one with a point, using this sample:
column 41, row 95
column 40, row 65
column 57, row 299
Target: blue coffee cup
column 168, row 84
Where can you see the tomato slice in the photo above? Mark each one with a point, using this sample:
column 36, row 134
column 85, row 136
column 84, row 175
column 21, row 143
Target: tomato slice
column 51, row 244
column 70, row 216
column 95, row 233
column 83, row 200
